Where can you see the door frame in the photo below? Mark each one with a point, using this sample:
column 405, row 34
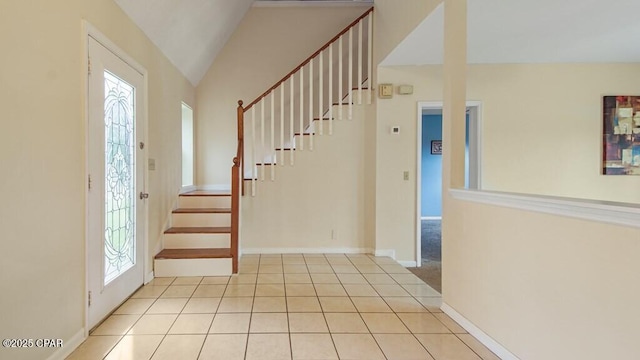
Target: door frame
column 88, row 30
column 475, row 158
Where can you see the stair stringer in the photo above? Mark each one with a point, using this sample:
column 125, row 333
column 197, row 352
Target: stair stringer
column 316, row 205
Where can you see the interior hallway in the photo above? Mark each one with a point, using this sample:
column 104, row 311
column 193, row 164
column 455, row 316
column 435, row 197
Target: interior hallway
column 292, row 306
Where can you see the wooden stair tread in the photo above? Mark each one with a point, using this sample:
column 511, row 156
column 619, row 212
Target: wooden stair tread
column 194, row 254
column 206, row 193
column 202, row 211
column 199, row 230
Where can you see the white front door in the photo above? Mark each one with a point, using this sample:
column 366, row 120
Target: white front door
column 117, row 204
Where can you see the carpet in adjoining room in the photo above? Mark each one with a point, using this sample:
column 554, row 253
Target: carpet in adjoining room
column 431, row 247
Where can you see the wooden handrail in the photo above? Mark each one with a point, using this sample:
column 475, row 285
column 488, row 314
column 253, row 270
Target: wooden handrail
column 235, row 213
column 237, row 189
column 305, row 62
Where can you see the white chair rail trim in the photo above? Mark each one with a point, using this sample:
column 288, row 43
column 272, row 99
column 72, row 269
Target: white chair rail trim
column 625, row 214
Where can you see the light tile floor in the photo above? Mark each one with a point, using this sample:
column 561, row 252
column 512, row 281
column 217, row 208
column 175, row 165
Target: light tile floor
column 291, row 306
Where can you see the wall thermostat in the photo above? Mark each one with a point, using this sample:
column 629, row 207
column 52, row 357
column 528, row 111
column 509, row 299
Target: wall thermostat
column 405, row 89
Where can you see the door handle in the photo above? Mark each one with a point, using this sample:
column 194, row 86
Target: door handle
column 144, row 195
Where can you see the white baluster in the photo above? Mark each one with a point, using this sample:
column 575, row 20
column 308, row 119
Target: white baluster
column 282, row 124
column 263, row 149
column 291, row 105
column 370, row 59
column 301, row 119
column 360, row 62
column 272, row 149
column 321, row 92
column 254, row 173
column 350, row 74
column 331, row 89
column 311, row 129
column 340, row 79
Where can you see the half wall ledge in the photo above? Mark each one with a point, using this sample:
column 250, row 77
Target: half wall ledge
column 625, row 214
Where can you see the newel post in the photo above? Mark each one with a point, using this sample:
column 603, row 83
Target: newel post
column 240, row 121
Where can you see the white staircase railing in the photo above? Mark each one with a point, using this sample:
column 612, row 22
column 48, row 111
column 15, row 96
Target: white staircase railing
column 306, row 91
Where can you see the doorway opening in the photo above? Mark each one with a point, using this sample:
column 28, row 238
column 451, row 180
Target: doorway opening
column 187, row 146
column 429, row 184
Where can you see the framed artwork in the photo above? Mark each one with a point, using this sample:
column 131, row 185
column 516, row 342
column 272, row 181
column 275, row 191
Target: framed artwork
column 436, row 147
column 621, row 135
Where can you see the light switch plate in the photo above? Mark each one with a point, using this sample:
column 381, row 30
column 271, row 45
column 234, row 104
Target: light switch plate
column 152, row 164
column 395, row 130
column 385, row 91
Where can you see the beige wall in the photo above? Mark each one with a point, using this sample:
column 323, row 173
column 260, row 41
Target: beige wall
column 544, row 286
column 521, row 275
column 268, row 44
column 541, row 129
column 42, row 154
column 555, row 113
column 322, row 193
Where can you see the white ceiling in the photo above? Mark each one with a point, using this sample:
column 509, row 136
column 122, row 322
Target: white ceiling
column 190, row 33
column 526, row 31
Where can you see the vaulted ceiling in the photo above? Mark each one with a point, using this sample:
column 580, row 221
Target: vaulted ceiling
column 192, row 32
column 525, row 31
column 189, row 32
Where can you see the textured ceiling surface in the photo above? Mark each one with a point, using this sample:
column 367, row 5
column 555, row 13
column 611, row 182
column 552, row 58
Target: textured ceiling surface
column 189, row 32
column 525, row 31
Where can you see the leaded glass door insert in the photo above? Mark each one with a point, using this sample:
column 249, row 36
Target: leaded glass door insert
column 120, row 184
column 117, row 217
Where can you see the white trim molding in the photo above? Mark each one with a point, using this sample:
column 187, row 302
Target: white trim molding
column 188, row 188
column 625, row 214
column 148, row 278
column 312, row 3
column 480, row 335
column 306, row 251
column 386, row 252
column 215, row 187
column 69, row 346
column 408, row 263
column 474, row 109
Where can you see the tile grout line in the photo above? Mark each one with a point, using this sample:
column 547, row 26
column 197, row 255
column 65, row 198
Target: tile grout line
column 365, row 323
column 134, row 324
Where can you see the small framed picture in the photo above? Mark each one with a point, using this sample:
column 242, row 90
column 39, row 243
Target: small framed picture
column 436, row 147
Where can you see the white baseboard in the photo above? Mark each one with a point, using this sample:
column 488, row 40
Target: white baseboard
column 431, row 218
column 189, row 188
column 69, row 346
column 306, row 251
column 312, row 3
column 386, row 252
column 480, row 335
column 215, row 187
column 148, row 278
column 407, row 263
